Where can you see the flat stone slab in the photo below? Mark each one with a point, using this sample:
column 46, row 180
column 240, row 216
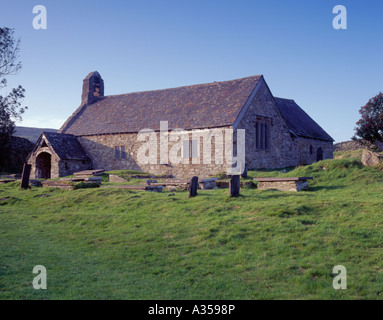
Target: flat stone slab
column 208, row 184
column 96, row 172
column 83, row 179
column 35, row 183
column 139, row 187
column 116, row 179
column 284, row 184
column 65, row 185
column 3, row 181
column 282, row 179
column 14, row 176
column 209, row 180
column 226, row 183
column 169, row 183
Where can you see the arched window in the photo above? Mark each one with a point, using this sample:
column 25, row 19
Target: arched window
column 262, row 133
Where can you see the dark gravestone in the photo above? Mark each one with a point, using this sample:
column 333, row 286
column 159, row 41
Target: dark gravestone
column 25, row 176
column 193, row 186
column 234, row 186
column 244, row 173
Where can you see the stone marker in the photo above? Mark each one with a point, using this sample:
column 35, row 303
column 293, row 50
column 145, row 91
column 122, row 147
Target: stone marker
column 209, row 183
column 25, row 176
column 370, row 158
column 234, row 186
column 193, row 186
column 244, row 173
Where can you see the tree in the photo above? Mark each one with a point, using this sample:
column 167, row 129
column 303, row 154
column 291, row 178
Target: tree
column 10, row 104
column 370, row 125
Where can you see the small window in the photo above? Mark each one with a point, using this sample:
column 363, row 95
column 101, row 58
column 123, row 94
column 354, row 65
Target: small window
column 262, row 134
column 190, row 149
column 120, row 152
column 311, row 149
column 117, row 152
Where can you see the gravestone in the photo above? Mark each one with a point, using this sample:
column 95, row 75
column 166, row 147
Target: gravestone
column 209, row 183
column 234, row 186
column 193, row 186
column 244, row 173
column 25, row 176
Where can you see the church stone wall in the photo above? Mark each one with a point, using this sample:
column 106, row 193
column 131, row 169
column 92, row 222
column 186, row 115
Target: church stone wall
column 281, row 152
column 101, row 150
column 306, row 150
column 284, row 149
column 68, row 167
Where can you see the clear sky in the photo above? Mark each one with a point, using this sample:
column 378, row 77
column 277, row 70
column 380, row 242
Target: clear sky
column 155, row 44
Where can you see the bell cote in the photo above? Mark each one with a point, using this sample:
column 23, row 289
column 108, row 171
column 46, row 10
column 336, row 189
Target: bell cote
column 92, row 89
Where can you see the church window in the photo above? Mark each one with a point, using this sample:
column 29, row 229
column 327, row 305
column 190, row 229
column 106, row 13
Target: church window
column 190, row 149
column 262, row 133
column 120, row 152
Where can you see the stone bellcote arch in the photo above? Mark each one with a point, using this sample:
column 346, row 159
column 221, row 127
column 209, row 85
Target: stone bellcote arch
column 92, row 88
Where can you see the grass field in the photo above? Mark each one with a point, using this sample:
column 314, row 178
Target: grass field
column 109, row 243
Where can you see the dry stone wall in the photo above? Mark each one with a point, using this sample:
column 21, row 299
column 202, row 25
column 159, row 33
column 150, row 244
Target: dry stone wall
column 354, row 145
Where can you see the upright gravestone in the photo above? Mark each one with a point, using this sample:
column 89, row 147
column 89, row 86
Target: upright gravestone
column 244, row 172
column 25, row 176
column 193, row 186
column 234, row 186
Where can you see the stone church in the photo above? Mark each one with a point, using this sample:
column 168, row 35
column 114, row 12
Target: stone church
column 103, row 132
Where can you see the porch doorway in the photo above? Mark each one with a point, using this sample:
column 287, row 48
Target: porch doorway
column 43, row 165
column 319, row 154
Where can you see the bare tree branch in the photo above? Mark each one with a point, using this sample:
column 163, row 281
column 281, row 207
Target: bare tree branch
column 10, row 105
column 9, row 53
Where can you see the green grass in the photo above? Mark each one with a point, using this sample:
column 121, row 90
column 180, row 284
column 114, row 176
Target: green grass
column 355, row 154
column 109, row 243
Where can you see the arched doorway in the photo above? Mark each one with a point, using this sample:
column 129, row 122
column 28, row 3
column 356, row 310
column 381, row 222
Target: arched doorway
column 43, row 165
column 319, row 154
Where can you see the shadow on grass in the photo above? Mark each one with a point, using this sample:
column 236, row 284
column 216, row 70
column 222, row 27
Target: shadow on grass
column 279, row 194
column 312, row 189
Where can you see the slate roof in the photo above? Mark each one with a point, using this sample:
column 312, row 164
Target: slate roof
column 66, row 146
column 199, row 106
column 299, row 122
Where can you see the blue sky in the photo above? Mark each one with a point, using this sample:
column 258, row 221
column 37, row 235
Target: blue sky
column 146, row 45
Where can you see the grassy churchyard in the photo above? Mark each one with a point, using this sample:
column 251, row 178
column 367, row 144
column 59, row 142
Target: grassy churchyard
column 110, row 243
